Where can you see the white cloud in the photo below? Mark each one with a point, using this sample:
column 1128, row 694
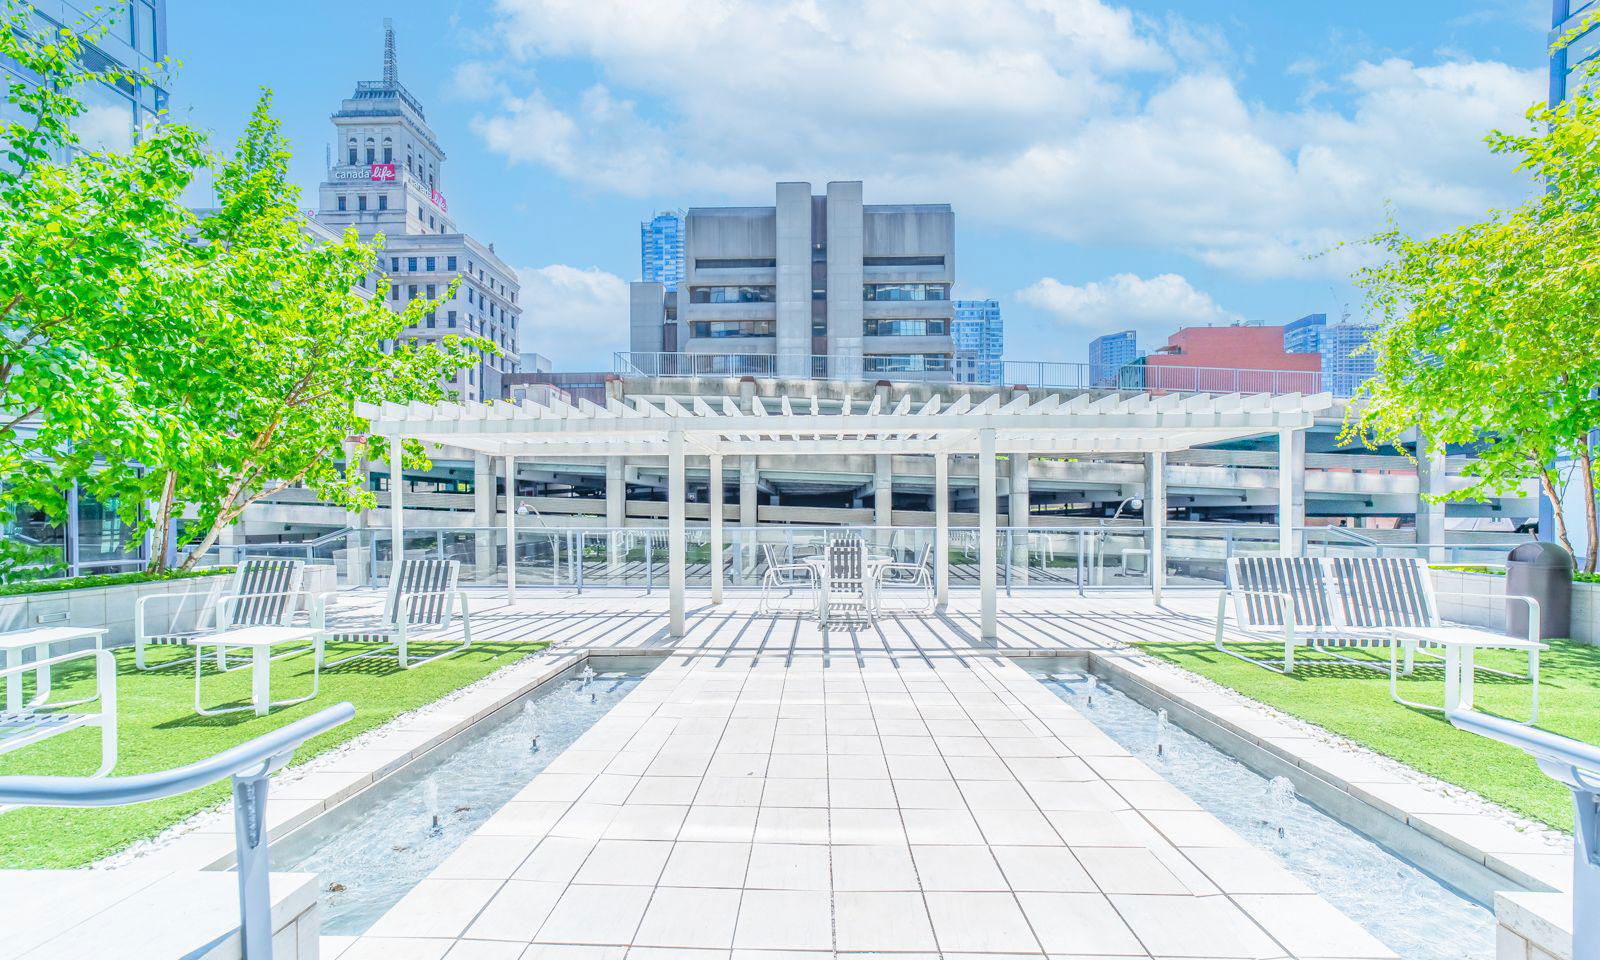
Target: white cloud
column 576, row 317
column 1158, row 305
column 1073, row 118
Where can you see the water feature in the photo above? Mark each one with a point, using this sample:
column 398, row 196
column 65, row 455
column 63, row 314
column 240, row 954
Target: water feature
column 377, row 846
column 1410, row 911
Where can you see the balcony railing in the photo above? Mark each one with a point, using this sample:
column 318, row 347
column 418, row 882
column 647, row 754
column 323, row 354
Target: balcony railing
column 918, row 368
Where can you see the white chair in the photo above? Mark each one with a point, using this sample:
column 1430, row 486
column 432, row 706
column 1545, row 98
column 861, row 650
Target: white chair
column 846, row 585
column 916, row 575
column 39, row 720
column 265, row 592
column 422, row 603
column 781, row 575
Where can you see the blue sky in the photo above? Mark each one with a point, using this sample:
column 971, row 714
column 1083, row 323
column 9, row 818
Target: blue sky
column 1112, row 164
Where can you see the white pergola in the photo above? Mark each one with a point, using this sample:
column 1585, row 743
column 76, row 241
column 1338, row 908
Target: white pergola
column 677, row 428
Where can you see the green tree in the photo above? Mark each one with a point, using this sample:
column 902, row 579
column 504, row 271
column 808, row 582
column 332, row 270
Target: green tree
column 1492, row 332
column 288, row 336
column 96, row 265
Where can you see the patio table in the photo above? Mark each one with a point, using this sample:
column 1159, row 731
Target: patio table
column 259, row 641
column 39, row 640
column 820, row 566
column 1460, row 647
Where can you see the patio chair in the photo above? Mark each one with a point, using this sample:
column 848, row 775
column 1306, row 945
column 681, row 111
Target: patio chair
column 264, row 592
column 847, row 587
column 39, row 720
column 783, row 575
column 421, row 604
column 1283, row 597
column 917, row 574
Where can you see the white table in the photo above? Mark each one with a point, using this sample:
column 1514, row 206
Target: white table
column 39, row 640
column 1461, row 645
column 869, row 572
column 259, row 641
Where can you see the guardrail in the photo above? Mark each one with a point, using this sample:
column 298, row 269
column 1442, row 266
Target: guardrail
column 1576, row 766
column 249, row 764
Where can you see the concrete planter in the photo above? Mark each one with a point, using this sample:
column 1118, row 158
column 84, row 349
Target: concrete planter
column 109, row 607
column 1478, row 599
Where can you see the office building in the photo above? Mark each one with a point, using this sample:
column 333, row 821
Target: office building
column 979, row 336
column 1108, row 354
column 1345, row 366
column 810, row 286
column 661, row 250
column 387, row 177
column 1569, row 66
column 1305, row 335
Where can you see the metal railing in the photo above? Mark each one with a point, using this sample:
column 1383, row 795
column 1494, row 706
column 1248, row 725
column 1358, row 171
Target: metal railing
column 1160, row 378
column 250, row 765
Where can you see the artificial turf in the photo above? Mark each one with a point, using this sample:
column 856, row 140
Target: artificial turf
column 1354, row 702
column 159, row 729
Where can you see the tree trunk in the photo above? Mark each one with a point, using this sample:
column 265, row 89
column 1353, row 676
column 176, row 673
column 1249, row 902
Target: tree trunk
column 1547, row 480
column 199, row 550
column 1592, row 548
column 163, row 525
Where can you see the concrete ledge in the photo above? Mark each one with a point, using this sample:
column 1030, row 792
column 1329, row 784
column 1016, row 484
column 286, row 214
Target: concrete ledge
column 128, row 914
column 1533, row 926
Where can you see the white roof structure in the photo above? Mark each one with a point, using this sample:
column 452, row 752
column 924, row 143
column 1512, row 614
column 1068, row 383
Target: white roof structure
column 666, row 426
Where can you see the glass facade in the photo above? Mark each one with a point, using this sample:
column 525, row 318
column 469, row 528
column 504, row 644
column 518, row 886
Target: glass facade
column 661, row 250
column 907, row 363
column 723, row 329
column 906, row 291
column 1305, row 335
column 979, row 335
column 905, row 328
column 1344, row 367
column 744, row 294
column 1570, row 67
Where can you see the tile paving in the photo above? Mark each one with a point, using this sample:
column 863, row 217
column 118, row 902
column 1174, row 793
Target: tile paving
column 772, row 791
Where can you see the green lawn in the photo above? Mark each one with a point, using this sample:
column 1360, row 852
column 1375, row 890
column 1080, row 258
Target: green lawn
column 159, row 729
column 1354, row 702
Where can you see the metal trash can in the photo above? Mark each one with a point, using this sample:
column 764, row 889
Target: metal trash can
column 1542, row 571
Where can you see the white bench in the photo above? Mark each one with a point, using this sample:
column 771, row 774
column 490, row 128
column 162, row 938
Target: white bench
column 22, row 724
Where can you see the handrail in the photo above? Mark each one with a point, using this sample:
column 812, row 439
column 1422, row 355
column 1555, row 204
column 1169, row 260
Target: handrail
column 249, row 764
column 1575, row 765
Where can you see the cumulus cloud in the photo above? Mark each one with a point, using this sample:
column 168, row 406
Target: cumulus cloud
column 1072, row 118
column 576, row 317
column 1159, row 304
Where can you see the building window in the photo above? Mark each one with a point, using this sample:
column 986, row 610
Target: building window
column 747, row 294
column 933, row 327
column 361, row 202
column 734, row 263
column 431, row 224
column 339, row 203
column 726, row 329
column 906, row 291
column 430, row 291
column 429, row 321
column 411, row 264
column 394, row 291
column 411, row 291
column 394, row 264
column 383, row 201
column 372, row 152
column 431, row 262
column 907, row 363
column 352, row 151
column 449, row 263
column 471, row 297
column 902, row 261
column 450, row 319
column 388, row 150
column 420, row 213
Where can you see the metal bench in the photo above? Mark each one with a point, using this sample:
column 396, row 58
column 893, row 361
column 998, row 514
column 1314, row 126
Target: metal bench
column 422, row 603
column 262, row 594
column 38, row 720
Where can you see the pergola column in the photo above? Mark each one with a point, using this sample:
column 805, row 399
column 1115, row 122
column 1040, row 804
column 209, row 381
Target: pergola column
column 883, row 499
column 1431, row 481
column 616, row 507
column 715, row 484
column 675, row 531
column 397, row 520
column 749, row 473
column 1155, row 517
column 483, row 515
column 1291, row 490
column 1019, row 507
column 511, row 531
column 986, row 533
column 941, row 528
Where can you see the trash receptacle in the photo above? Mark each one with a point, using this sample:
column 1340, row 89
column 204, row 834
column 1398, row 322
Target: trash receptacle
column 1542, row 571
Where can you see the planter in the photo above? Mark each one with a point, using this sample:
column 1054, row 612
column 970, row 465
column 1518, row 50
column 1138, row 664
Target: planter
column 1484, row 603
column 109, row 607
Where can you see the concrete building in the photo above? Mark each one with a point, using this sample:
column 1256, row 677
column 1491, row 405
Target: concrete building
column 387, row 177
column 1570, row 65
column 661, row 250
column 812, row 285
column 1344, row 366
column 979, row 335
column 1305, row 335
column 1108, row 354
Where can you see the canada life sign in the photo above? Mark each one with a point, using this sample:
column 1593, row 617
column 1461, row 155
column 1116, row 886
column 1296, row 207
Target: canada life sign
column 382, row 173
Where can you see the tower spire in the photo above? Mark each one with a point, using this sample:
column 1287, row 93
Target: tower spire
column 390, row 73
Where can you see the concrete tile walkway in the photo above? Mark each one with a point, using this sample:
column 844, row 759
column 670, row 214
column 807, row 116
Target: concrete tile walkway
column 772, row 791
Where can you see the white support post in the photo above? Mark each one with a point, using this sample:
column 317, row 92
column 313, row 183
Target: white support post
column 1155, row 513
column 715, row 486
column 1291, row 489
column 987, row 559
column 616, row 508
column 941, row 528
column 511, row 530
column 675, row 532
column 397, row 520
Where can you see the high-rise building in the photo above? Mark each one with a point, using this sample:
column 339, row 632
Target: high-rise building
column 1344, row 366
column 1305, row 335
column 979, row 336
column 387, row 177
column 1570, row 65
column 661, row 250
column 811, row 286
column 1108, row 354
